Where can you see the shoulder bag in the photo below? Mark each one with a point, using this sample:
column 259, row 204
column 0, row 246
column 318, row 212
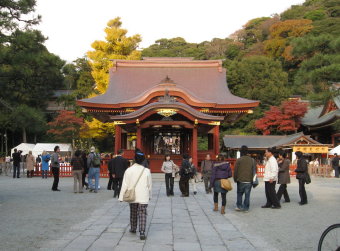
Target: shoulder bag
column 226, row 184
column 130, row 194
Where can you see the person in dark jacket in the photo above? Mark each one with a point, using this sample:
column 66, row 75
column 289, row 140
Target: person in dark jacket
column 206, row 169
column 16, row 156
column 110, row 183
column 335, row 165
column 243, row 176
column 77, row 164
column 221, row 170
column 186, row 173
column 301, row 171
column 283, row 176
column 86, row 170
column 117, row 166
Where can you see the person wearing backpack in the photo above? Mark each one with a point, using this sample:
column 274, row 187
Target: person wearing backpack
column 186, row 173
column 45, row 162
column 93, row 163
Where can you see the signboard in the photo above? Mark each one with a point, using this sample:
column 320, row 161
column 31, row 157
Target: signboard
column 311, row 149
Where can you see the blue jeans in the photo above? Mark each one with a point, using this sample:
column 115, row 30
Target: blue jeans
column 243, row 188
column 94, row 173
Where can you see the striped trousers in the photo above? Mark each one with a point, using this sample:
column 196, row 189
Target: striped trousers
column 138, row 212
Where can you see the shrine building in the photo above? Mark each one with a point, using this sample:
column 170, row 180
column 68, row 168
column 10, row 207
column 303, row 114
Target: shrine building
column 162, row 106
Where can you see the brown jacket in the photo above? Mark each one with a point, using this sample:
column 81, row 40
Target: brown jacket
column 243, row 171
column 30, row 162
column 284, row 176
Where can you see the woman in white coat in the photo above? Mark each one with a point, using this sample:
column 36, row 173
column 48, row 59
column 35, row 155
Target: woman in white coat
column 140, row 177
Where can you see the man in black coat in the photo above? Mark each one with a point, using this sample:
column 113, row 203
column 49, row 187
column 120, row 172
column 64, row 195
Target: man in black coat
column 117, row 167
column 16, row 156
column 335, row 165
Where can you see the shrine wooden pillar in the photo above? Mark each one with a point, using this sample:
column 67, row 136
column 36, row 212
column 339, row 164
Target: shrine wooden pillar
column 139, row 138
column 194, row 146
column 118, row 138
column 216, row 140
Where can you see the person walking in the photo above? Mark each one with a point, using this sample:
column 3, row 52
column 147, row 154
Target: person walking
column 138, row 177
column 16, row 156
column 243, row 176
column 335, row 165
column 93, row 163
column 206, row 168
column 7, row 165
column 186, row 173
column 30, row 162
column 169, row 168
column 283, row 176
column 301, row 173
column 45, row 163
column 55, row 166
column 110, row 185
column 77, row 170
column 193, row 177
column 221, row 170
column 270, row 178
column 86, row 170
column 117, row 166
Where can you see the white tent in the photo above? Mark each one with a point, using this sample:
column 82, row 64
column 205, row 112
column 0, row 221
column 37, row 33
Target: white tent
column 65, row 149
column 24, row 147
column 335, row 150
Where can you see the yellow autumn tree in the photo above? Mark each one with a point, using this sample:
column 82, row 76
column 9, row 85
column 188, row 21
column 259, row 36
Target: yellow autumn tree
column 117, row 45
column 282, row 32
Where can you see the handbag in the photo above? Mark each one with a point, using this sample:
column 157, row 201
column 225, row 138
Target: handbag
column 226, row 184
column 307, row 178
column 130, row 194
column 255, row 182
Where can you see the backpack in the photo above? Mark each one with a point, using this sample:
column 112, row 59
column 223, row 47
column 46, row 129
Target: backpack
column 96, row 160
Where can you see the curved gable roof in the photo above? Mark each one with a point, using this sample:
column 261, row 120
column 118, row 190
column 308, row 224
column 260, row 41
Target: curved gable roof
column 202, row 81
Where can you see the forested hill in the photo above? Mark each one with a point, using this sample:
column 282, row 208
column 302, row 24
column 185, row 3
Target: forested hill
column 272, row 58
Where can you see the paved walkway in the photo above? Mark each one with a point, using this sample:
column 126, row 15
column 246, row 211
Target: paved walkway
column 174, row 223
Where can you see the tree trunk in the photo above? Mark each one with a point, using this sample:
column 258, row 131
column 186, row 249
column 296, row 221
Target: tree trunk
column 35, row 138
column 24, row 138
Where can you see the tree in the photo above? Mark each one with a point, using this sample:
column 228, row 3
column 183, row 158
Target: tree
column 258, row 78
column 27, row 119
column 116, row 46
column 29, row 73
column 285, row 118
column 66, row 126
column 16, row 13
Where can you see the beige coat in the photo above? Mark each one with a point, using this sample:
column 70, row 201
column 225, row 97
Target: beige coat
column 30, row 162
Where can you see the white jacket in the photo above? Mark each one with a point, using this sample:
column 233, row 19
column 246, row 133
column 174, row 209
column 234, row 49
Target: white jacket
column 143, row 190
column 271, row 169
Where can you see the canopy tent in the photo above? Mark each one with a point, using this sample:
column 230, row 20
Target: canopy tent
column 335, row 150
column 65, row 149
column 24, row 147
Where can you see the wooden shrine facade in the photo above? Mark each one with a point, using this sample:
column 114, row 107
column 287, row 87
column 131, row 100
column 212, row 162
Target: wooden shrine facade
column 162, row 106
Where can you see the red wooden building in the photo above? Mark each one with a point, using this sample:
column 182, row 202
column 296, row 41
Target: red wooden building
column 162, row 106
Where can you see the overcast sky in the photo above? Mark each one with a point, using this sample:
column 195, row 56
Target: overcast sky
column 72, row 25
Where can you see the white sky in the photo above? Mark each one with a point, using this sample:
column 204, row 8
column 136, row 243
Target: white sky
column 72, row 25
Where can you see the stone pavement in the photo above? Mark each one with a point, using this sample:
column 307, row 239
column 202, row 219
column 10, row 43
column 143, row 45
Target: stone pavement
column 174, row 223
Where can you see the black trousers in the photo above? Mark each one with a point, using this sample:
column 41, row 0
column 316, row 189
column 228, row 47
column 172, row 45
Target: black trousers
column 184, row 185
column 117, row 185
column 169, row 184
column 110, row 185
column 283, row 190
column 302, row 191
column 30, row 173
column 55, row 172
column 16, row 170
column 271, row 194
column 223, row 196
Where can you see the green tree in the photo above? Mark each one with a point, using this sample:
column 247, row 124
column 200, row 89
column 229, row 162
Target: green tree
column 116, row 46
column 29, row 73
column 27, row 119
column 258, row 78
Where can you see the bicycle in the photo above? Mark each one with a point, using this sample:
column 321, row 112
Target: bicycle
column 330, row 239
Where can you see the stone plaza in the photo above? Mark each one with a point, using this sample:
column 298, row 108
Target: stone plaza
column 35, row 218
